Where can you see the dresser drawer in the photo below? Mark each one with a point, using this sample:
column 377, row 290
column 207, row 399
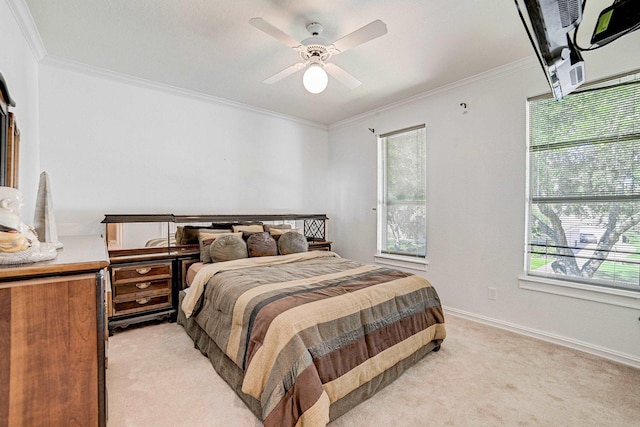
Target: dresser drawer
column 140, row 273
column 141, row 304
column 137, row 290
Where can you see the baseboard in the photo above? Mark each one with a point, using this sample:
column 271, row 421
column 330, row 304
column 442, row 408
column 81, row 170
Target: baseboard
column 623, row 358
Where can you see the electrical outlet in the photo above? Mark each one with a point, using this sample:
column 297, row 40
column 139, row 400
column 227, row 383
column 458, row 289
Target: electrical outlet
column 493, row 293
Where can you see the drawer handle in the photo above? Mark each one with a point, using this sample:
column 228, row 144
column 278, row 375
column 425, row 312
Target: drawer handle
column 143, row 285
column 143, row 270
column 143, row 301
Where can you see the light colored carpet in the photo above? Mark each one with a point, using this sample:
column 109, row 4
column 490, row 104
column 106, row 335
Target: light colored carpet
column 482, row 376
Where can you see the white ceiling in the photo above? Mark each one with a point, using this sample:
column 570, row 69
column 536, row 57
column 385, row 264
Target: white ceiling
column 208, row 46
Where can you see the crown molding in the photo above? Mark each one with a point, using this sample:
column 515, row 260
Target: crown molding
column 52, row 60
column 31, row 34
column 494, row 73
column 27, row 25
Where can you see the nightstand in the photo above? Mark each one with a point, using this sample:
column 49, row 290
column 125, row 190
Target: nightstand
column 141, row 291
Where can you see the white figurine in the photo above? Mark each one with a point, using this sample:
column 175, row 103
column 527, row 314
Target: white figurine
column 18, row 242
column 44, row 221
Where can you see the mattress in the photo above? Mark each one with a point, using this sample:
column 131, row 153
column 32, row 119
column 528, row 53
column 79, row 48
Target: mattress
column 193, row 270
column 302, row 338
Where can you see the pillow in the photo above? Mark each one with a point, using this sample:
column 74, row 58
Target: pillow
column 206, row 237
column 188, row 234
column 262, row 244
column 223, row 225
column 276, row 232
column 178, row 235
column 292, row 242
column 228, row 248
column 253, row 228
column 269, row 227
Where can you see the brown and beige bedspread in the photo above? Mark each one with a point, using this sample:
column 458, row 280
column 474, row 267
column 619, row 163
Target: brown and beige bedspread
column 307, row 329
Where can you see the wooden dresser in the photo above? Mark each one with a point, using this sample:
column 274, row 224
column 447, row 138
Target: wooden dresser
column 52, row 338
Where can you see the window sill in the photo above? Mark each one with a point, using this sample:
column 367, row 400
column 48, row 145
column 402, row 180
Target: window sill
column 399, row 261
column 619, row 297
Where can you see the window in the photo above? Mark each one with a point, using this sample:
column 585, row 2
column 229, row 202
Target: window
column 584, row 186
column 402, row 209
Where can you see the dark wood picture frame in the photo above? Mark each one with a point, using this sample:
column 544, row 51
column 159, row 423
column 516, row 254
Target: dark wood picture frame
column 13, row 152
column 9, row 139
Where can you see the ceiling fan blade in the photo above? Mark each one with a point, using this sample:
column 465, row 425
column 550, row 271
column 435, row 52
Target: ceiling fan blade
column 274, row 32
column 286, row 72
column 342, row 76
column 368, row 32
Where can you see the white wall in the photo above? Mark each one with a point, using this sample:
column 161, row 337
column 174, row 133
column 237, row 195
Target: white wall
column 476, row 172
column 112, row 146
column 20, row 70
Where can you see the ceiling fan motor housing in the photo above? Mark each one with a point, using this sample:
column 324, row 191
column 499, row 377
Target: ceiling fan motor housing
column 315, row 46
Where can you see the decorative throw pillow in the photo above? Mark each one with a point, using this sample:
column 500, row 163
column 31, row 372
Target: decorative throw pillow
column 252, row 228
column 188, row 234
column 261, row 244
column 269, row 227
column 228, row 248
column 292, row 242
column 277, row 232
column 223, row 225
column 247, row 234
column 206, row 237
column 178, row 235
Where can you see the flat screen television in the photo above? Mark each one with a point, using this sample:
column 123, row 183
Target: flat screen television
column 551, row 21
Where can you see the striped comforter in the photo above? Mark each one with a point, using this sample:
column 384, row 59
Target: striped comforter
column 307, row 329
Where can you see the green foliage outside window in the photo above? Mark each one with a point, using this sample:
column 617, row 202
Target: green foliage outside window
column 584, row 173
column 404, row 193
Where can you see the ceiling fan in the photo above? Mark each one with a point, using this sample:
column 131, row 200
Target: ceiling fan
column 316, row 51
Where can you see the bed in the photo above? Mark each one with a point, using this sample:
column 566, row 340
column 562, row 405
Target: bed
column 304, row 337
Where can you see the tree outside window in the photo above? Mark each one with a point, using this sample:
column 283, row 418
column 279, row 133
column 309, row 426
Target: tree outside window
column 584, row 195
column 402, row 212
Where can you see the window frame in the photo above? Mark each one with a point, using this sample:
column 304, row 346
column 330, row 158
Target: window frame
column 418, row 262
column 574, row 287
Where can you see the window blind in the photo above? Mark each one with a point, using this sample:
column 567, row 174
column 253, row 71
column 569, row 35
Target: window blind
column 402, row 207
column 584, row 194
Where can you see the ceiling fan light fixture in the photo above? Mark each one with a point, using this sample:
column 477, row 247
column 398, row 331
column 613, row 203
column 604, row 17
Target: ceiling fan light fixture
column 315, row 79
column 315, row 52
